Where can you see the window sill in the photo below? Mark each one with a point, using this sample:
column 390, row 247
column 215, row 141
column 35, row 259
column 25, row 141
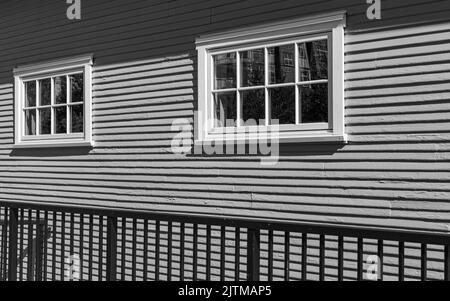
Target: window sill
column 282, row 139
column 53, row 144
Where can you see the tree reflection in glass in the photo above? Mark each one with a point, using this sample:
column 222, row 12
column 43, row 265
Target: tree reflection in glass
column 45, row 121
column 313, row 60
column 77, row 89
column 253, row 107
column 225, row 109
column 225, row 71
column 61, row 120
column 281, row 64
column 282, row 101
column 30, row 122
column 60, row 89
column 76, row 118
column 314, row 103
column 45, row 92
column 30, row 94
column 252, row 68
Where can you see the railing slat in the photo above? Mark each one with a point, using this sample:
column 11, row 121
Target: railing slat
column 208, row 252
column 22, row 239
column 169, row 251
column 381, row 260
column 157, row 249
column 133, row 250
column 72, row 231
column 45, row 245
column 91, row 245
column 322, row 258
column 81, row 247
column 222, row 253
column 360, row 250
column 270, row 256
column 63, row 245
column 39, row 246
column 304, row 256
column 30, row 234
column 145, row 264
column 340, row 258
column 111, row 249
column 55, row 231
column 253, row 254
column 123, row 249
column 6, row 227
column 287, row 246
column 401, row 261
column 237, row 254
column 100, row 248
column 424, row 262
column 195, row 252
column 13, row 237
column 447, row 263
column 3, row 252
column 182, row 244
column 5, row 246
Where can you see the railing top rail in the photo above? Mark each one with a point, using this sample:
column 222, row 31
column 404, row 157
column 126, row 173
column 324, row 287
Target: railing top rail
column 355, row 231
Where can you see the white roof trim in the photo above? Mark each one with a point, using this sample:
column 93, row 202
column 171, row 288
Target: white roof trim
column 290, row 27
column 54, row 65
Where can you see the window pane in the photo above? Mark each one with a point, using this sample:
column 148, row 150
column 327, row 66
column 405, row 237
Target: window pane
column 60, row 89
column 45, row 91
column 45, row 121
column 77, row 119
column 30, row 91
column 252, row 66
column 253, row 107
column 225, row 109
column 281, row 64
column 225, row 71
column 61, row 120
column 313, row 60
column 314, row 103
column 282, row 101
column 77, row 88
column 30, row 122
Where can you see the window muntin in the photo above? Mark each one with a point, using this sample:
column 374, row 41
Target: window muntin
column 288, row 82
column 54, row 107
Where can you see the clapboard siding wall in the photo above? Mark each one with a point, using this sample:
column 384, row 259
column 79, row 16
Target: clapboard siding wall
column 117, row 31
column 394, row 172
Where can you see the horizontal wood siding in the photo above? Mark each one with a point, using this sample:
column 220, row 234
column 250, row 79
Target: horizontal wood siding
column 394, row 172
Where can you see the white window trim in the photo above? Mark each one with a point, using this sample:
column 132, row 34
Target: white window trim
column 81, row 64
column 331, row 24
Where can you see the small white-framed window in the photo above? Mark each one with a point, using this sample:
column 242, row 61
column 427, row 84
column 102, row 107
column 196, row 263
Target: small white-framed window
column 288, row 75
column 53, row 103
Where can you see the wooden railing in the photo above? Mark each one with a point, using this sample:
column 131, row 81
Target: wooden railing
column 113, row 244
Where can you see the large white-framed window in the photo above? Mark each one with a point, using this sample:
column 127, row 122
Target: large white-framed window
column 53, row 103
column 288, row 75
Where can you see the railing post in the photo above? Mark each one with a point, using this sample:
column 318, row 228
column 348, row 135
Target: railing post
column 12, row 256
column 111, row 249
column 39, row 247
column 253, row 254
